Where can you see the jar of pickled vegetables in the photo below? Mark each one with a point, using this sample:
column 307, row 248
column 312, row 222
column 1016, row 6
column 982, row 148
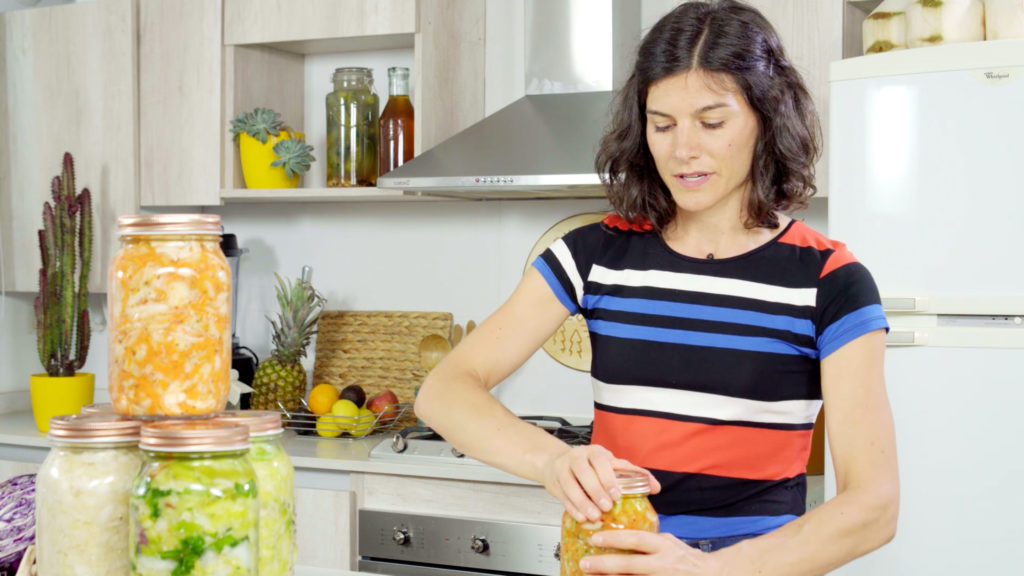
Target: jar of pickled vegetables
column 352, row 131
column 193, row 506
column 169, row 295
column 633, row 511
column 275, row 487
column 82, row 492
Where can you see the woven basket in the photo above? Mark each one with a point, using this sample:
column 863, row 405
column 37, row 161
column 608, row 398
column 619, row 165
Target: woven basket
column 375, row 350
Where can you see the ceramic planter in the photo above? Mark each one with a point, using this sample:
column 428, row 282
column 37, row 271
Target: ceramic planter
column 256, row 160
column 59, row 395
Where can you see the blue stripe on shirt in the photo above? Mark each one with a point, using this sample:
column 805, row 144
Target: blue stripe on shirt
column 690, row 337
column 852, row 326
column 697, row 527
column 555, row 285
column 799, row 326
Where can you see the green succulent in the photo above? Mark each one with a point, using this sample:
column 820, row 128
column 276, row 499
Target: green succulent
column 294, row 154
column 258, row 124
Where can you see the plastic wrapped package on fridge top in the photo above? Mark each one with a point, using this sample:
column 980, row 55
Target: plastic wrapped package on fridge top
column 1004, row 19
column 885, row 28
column 932, row 22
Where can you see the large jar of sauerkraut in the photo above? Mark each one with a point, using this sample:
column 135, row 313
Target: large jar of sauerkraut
column 82, row 492
column 275, row 486
column 633, row 511
column 169, row 295
column 193, row 506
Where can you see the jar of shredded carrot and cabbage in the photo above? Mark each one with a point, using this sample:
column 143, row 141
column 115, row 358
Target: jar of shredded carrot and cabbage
column 169, row 294
column 633, row 511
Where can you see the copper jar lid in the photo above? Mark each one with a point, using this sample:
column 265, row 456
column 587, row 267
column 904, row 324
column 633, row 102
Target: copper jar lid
column 259, row 422
column 169, row 224
column 209, row 435
column 99, row 408
column 94, row 428
column 631, row 482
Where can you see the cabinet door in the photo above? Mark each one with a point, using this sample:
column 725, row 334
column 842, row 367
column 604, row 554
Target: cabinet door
column 69, row 75
column 271, row 21
column 325, row 528
column 180, row 126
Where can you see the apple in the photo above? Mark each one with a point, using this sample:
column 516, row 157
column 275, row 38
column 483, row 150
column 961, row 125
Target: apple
column 384, row 403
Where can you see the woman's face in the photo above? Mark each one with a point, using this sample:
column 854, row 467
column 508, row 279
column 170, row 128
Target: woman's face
column 701, row 132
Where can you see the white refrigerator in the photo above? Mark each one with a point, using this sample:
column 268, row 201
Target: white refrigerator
column 926, row 187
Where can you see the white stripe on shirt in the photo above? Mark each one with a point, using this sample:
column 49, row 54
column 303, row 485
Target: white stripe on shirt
column 561, row 251
column 705, row 284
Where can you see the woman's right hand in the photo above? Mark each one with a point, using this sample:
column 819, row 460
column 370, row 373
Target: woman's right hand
column 583, row 479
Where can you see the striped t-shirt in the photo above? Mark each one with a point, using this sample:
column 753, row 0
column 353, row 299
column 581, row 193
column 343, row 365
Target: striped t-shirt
column 706, row 372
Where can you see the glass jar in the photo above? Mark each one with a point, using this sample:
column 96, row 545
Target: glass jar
column 397, row 123
column 193, row 506
column 275, row 487
column 633, row 511
column 352, row 114
column 82, row 492
column 98, row 408
column 169, row 295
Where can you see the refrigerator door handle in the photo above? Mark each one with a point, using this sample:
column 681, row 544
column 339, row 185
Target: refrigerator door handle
column 905, row 304
column 906, row 338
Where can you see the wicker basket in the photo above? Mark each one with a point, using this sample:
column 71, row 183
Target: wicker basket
column 375, row 350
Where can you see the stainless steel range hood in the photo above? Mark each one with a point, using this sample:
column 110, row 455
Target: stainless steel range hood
column 543, row 144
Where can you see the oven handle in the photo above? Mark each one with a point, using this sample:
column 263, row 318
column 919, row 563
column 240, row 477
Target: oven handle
column 402, row 569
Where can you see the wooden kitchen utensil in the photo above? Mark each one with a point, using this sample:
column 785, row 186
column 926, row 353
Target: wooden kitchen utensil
column 456, row 335
column 432, row 349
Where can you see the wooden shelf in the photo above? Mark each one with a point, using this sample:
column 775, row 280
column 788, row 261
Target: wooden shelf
column 368, row 194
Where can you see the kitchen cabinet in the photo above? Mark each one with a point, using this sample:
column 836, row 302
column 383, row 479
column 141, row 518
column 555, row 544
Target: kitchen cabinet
column 69, row 77
column 180, row 125
column 325, row 528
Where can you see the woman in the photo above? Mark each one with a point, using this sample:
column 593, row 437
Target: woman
column 718, row 324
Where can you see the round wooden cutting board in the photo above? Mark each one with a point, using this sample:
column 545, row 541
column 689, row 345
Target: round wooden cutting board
column 570, row 344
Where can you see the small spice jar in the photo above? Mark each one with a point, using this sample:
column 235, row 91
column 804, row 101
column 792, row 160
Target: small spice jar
column 353, row 109
column 194, row 502
column 633, row 511
column 169, row 295
column 82, row 492
column 275, row 486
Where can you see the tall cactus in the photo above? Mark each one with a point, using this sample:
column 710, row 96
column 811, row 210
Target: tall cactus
column 62, row 307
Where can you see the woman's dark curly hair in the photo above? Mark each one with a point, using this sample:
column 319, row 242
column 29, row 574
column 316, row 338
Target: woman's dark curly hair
column 731, row 38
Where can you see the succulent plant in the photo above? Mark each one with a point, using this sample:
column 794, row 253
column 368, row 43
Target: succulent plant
column 294, row 155
column 62, row 305
column 259, row 124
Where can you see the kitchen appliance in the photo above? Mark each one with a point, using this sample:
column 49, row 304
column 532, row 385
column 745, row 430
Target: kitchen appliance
column 243, row 359
column 925, row 189
column 542, row 145
column 413, row 544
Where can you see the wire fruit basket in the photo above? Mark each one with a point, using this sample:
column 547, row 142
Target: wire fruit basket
column 305, row 423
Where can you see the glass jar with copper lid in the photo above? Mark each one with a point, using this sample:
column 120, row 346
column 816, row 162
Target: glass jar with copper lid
column 275, row 487
column 169, row 295
column 82, row 493
column 98, row 408
column 193, row 506
column 633, row 511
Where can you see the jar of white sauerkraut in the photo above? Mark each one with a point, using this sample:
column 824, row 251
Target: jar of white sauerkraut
column 275, row 486
column 169, row 294
column 193, row 506
column 82, row 492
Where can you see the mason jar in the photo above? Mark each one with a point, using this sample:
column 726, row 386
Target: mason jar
column 352, row 131
column 275, row 486
column 98, row 408
column 82, row 492
column 633, row 511
column 193, row 506
column 169, row 296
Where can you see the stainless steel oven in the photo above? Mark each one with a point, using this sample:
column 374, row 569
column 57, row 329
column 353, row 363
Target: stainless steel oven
column 402, row 544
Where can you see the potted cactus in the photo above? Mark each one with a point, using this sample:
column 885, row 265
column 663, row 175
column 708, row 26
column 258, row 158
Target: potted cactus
column 61, row 306
column 273, row 155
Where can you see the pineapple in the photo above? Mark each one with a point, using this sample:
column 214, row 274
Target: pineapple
column 280, row 381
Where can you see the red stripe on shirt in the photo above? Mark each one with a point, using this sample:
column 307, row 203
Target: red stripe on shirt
column 799, row 234
column 689, row 447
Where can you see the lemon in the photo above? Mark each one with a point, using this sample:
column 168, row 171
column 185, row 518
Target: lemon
column 321, row 398
column 346, row 414
column 364, row 424
column 327, row 427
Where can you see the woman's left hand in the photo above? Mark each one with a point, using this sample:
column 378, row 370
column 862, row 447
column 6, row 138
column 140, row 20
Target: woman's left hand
column 653, row 554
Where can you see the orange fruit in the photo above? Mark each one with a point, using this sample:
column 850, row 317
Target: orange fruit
column 321, row 398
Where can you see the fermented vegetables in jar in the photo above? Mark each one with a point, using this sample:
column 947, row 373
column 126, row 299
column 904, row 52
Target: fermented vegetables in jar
column 275, row 486
column 82, row 492
column 169, row 295
column 193, row 506
column 353, row 109
column 633, row 511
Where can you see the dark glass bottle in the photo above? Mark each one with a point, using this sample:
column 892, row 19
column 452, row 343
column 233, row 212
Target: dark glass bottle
column 396, row 123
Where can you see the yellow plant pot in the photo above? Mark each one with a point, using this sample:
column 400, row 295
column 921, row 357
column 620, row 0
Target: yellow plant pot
column 59, row 395
column 256, row 160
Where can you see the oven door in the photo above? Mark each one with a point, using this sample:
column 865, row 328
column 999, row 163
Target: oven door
column 400, row 544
